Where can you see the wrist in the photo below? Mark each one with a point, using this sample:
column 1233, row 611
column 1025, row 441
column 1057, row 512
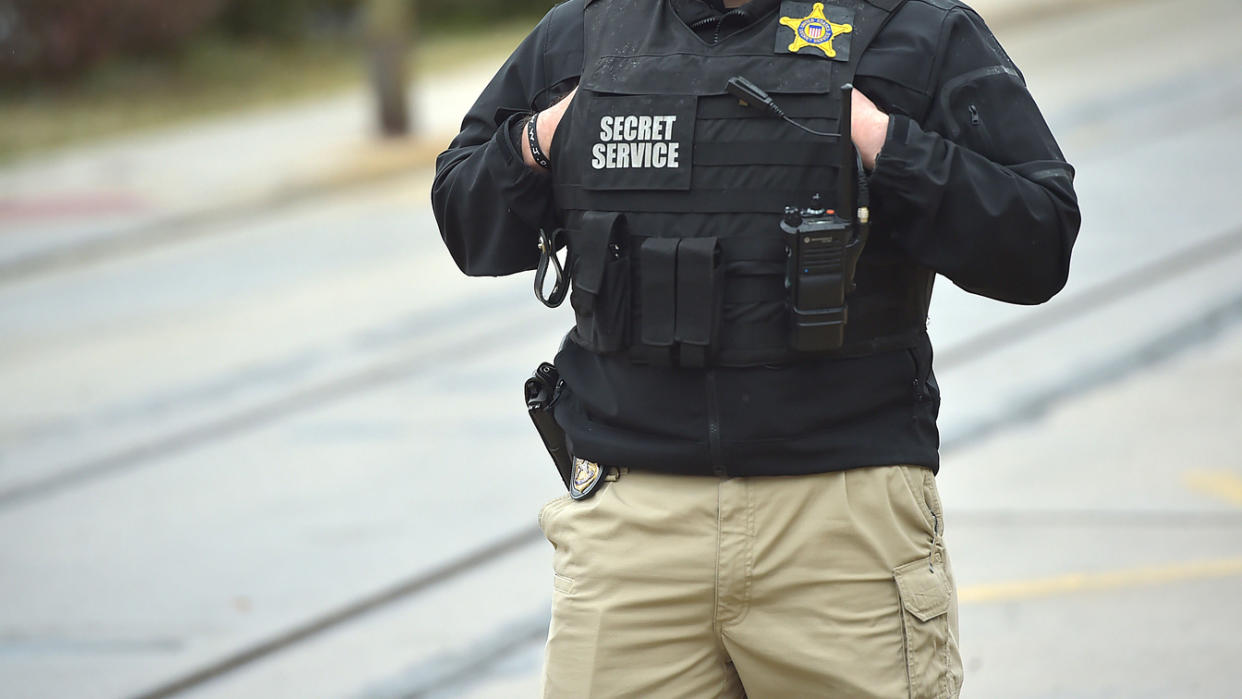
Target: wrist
column 523, row 140
column 533, row 151
column 545, row 129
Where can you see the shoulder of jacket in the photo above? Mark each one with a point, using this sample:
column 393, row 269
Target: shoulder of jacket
column 639, row 5
column 565, row 15
column 944, row 6
column 940, row 18
column 562, row 37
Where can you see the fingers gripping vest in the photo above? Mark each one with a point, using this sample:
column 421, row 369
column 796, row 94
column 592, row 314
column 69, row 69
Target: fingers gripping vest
column 671, row 192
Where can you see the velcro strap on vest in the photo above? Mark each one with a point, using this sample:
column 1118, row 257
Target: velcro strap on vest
column 657, row 260
column 822, row 107
column 580, row 198
column 756, row 248
column 697, row 299
column 751, row 289
column 785, row 153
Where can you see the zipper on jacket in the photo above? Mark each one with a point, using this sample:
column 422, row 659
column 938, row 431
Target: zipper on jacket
column 919, row 386
column 702, row 23
column 719, row 21
column 699, row 24
column 981, row 134
column 714, row 446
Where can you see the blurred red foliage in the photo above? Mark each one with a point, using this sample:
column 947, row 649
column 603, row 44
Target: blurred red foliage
column 58, row 38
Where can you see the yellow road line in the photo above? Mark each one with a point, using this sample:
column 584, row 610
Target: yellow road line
column 1222, row 485
column 1092, row 582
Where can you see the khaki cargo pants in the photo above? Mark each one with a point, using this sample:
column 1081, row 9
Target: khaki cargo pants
column 830, row 585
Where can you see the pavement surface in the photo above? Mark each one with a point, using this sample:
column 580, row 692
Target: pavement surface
column 227, row 427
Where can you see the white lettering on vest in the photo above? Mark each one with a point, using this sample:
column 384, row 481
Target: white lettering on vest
column 659, row 154
column 633, row 141
column 638, row 153
column 644, row 128
column 631, row 128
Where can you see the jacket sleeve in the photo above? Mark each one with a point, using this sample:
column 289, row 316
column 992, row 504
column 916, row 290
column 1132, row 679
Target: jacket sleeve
column 977, row 189
column 488, row 204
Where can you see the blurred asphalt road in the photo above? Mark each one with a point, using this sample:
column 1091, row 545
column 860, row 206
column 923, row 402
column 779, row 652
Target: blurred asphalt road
column 88, row 202
column 228, row 426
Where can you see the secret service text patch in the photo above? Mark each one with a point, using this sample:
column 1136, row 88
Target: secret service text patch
column 641, row 141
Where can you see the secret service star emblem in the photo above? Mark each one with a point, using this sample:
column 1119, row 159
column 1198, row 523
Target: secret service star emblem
column 815, row 30
column 586, row 476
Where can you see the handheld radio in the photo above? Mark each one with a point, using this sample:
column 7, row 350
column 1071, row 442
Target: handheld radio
column 822, row 245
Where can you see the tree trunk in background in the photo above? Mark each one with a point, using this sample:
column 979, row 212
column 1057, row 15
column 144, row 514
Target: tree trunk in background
column 388, row 24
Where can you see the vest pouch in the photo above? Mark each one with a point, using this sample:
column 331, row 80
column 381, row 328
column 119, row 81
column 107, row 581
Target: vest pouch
column 700, row 282
column 680, row 284
column 601, row 282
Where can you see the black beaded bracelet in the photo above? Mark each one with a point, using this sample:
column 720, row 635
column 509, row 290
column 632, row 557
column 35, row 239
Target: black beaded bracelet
column 533, row 139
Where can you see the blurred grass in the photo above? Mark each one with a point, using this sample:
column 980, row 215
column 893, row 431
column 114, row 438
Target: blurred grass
column 212, row 77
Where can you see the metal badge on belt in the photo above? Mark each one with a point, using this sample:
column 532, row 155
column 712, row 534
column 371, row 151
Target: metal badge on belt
column 815, row 29
column 586, row 478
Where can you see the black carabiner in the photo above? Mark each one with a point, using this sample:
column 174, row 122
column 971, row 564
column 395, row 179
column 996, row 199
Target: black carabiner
column 547, row 256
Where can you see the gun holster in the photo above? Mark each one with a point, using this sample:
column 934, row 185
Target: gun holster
column 543, row 388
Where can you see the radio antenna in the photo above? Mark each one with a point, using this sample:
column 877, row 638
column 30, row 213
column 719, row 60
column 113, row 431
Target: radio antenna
column 847, row 176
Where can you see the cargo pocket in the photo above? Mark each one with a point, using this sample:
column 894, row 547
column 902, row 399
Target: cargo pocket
column 931, row 654
column 601, row 282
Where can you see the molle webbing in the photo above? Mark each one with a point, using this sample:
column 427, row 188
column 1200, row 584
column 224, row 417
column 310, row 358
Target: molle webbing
column 694, row 185
column 706, row 301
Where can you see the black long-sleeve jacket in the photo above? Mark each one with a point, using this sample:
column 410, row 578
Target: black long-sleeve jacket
column 970, row 184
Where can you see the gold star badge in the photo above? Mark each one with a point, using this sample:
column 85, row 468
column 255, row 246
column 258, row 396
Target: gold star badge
column 815, row 30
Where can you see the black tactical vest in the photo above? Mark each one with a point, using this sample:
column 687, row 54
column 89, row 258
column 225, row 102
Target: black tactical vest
column 671, row 191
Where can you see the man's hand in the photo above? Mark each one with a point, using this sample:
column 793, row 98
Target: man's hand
column 545, row 127
column 869, row 128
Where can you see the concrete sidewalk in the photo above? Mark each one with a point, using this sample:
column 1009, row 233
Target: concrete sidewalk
column 128, row 192
column 155, row 184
